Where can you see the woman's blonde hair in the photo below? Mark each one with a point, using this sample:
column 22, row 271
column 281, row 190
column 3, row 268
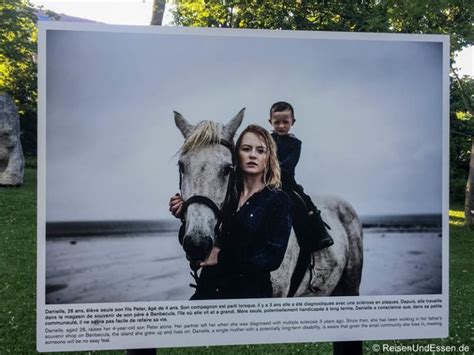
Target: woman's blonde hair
column 272, row 174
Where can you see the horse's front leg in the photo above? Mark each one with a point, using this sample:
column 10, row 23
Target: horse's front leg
column 281, row 278
column 323, row 274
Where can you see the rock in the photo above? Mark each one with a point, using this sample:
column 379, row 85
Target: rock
column 12, row 161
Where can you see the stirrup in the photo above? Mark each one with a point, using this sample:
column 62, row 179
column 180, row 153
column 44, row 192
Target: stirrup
column 325, row 242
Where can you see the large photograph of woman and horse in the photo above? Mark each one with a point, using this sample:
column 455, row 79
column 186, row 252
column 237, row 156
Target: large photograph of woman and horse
column 195, row 165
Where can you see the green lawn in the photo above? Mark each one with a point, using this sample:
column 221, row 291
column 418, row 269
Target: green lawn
column 18, row 275
column 18, row 266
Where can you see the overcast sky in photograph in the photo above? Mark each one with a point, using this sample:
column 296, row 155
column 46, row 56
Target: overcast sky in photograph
column 369, row 114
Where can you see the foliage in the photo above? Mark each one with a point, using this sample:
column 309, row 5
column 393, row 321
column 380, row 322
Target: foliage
column 454, row 17
column 17, row 63
column 462, row 129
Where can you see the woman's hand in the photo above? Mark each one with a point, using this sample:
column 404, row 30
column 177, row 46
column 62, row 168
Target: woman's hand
column 176, row 205
column 212, row 259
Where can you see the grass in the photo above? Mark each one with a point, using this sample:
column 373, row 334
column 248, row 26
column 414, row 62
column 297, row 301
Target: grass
column 18, row 266
column 18, row 287
column 30, row 161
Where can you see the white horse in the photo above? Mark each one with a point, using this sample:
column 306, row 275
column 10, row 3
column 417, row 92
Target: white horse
column 206, row 164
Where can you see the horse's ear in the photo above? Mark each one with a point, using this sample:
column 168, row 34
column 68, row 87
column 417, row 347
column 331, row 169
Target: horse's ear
column 184, row 126
column 231, row 127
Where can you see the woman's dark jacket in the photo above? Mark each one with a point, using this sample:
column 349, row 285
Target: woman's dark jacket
column 253, row 243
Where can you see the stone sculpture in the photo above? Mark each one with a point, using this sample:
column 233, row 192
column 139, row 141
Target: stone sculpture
column 12, row 161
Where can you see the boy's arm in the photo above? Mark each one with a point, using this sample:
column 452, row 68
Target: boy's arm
column 288, row 164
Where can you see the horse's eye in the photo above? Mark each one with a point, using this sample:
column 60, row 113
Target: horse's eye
column 228, row 169
column 181, row 167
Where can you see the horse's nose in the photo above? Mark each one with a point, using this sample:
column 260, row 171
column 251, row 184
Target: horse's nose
column 197, row 248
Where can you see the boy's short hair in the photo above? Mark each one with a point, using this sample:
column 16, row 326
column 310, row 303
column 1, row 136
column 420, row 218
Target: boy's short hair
column 282, row 106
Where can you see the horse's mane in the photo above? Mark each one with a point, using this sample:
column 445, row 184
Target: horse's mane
column 204, row 134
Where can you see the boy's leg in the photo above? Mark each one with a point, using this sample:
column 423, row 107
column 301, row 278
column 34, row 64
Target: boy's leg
column 299, row 220
column 321, row 237
column 300, row 226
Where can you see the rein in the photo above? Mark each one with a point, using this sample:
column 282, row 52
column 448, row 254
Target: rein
column 204, row 200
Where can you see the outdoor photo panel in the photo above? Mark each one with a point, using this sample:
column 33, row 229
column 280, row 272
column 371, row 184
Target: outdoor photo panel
column 371, row 112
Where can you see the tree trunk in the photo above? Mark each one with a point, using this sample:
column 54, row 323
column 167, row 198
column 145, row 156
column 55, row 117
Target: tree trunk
column 469, row 201
column 157, row 12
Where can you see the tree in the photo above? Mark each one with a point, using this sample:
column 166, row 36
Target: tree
column 157, row 12
column 462, row 145
column 17, row 64
column 462, row 129
column 454, row 17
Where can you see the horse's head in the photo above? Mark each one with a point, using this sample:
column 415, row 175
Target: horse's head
column 206, row 168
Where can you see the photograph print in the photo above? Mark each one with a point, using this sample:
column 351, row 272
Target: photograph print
column 231, row 164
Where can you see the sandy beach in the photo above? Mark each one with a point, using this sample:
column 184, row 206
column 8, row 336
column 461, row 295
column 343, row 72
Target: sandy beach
column 152, row 267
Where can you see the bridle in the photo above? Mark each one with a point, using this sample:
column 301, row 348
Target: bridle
column 204, row 200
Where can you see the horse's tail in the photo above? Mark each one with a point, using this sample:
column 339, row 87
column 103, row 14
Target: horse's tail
column 349, row 282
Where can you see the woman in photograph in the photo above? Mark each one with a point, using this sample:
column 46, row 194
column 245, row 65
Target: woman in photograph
column 256, row 225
